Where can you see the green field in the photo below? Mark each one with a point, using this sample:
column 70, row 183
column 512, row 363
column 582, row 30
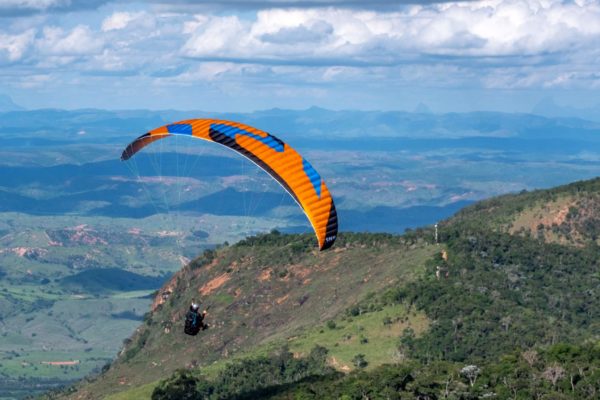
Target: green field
column 56, row 304
column 343, row 342
column 85, row 331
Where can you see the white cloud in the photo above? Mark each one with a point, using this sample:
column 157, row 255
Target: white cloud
column 15, row 46
column 217, row 35
column 120, row 20
column 488, row 44
column 206, row 72
column 29, row 7
column 33, row 4
column 79, row 41
column 317, row 32
column 190, row 27
column 108, row 60
column 486, row 28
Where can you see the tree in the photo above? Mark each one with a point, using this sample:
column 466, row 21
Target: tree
column 359, row 361
column 530, row 356
column 182, row 386
column 553, row 374
column 471, row 372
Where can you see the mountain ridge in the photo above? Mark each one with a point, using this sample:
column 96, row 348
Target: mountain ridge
column 247, row 313
column 522, row 290
column 312, row 122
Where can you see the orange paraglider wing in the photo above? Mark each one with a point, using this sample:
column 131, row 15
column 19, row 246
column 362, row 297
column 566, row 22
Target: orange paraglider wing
column 295, row 174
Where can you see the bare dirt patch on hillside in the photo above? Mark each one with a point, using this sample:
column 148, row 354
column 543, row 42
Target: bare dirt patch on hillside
column 214, row 284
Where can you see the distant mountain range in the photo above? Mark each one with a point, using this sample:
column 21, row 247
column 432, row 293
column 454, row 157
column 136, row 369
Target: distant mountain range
column 86, row 125
column 6, row 104
column 549, row 108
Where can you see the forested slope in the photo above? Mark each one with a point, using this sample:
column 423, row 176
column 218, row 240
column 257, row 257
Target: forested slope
column 493, row 311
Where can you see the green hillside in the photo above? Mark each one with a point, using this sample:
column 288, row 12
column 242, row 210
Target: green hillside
column 568, row 214
column 503, row 289
column 493, row 311
column 273, row 290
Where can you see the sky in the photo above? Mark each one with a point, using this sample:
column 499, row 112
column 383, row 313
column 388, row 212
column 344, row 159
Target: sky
column 236, row 55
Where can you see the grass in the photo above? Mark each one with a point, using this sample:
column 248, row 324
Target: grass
column 138, row 393
column 72, row 328
column 365, row 334
column 254, row 313
column 29, row 364
column 343, row 343
column 14, row 339
column 28, row 293
column 223, row 298
column 134, row 294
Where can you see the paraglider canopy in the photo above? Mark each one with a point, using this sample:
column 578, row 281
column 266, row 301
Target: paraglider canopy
column 284, row 164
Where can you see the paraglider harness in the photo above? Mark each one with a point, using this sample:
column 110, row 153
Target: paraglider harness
column 194, row 320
